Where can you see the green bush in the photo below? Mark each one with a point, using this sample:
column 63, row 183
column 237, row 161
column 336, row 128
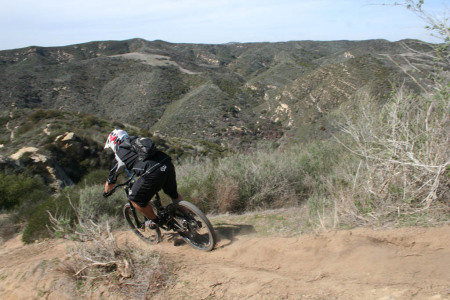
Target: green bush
column 20, row 189
column 38, row 222
column 198, row 184
column 36, row 227
column 25, row 127
column 97, row 177
column 93, row 206
column 263, row 179
column 37, row 116
column 40, row 114
column 86, row 203
column 90, row 120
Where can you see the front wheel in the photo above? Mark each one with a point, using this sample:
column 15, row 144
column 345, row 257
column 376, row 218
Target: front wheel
column 136, row 220
column 193, row 226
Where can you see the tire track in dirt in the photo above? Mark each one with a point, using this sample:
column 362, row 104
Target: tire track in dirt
column 406, row 263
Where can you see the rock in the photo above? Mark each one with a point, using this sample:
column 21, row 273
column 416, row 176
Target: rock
column 47, row 129
column 21, row 152
column 70, row 136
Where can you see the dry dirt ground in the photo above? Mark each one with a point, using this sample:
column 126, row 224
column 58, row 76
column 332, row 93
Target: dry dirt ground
column 406, row 263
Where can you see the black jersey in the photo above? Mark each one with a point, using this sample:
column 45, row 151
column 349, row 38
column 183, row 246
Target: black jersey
column 126, row 159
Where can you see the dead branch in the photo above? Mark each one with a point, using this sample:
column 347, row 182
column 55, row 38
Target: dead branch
column 94, row 265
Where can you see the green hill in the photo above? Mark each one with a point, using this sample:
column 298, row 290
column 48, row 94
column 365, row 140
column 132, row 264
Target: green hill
column 217, row 93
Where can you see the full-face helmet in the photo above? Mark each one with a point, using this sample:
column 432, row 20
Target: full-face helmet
column 115, row 138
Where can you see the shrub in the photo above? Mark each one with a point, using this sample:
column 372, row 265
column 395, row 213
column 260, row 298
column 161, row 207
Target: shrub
column 25, row 127
column 19, row 189
column 96, row 258
column 96, row 177
column 404, row 156
column 37, row 116
column 37, row 224
column 263, row 179
column 41, row 114
column 93, row 206
column 197, row 183
column 88, row 202
column 90, row 120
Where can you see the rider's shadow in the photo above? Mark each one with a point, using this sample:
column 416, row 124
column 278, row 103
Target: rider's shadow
column 225, row 233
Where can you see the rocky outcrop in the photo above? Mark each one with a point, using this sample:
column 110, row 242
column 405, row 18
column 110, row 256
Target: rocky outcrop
column 68, row 150
column 46, row 167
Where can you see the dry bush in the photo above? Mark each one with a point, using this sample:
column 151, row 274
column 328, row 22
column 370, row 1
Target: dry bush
column 97, row 260
column 403, row 146
column 404, row 156
column 99, row 253
column 263, row 179
column 227, row 194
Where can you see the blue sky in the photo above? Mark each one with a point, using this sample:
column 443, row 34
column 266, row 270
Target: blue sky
column 58, row 23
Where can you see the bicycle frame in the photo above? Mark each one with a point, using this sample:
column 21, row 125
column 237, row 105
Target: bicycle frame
column 182, row 217
column 163, row 212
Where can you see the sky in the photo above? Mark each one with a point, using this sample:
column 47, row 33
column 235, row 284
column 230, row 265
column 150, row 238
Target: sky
column 47, row 23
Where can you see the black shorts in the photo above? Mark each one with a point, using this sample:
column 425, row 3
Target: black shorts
column 148, row 185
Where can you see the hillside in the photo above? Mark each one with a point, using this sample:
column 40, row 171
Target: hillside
column 230, row 94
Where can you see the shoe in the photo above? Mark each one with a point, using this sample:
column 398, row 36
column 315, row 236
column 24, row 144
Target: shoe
column 152, row 224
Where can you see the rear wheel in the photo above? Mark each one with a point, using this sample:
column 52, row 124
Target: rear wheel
column 196, row 229
column 136, row 220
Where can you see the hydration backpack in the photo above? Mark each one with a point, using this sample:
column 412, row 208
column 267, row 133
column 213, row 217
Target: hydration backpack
column 144, row 147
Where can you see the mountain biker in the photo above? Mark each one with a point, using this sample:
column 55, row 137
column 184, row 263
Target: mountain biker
column 155, row 173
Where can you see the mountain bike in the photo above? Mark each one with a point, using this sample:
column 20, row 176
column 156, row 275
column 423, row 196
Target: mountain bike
column 181, row 217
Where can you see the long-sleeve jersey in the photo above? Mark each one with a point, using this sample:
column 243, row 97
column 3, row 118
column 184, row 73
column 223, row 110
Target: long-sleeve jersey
column 129, row 159
column 126, row 159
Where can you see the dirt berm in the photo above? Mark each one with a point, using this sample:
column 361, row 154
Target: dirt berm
column 406, row 263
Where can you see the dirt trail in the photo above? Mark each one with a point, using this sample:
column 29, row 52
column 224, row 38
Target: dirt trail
column 407, row 263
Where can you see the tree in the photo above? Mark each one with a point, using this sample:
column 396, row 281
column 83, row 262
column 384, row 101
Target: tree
column 437, row 25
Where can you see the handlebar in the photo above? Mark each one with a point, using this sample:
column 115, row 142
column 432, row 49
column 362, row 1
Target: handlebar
column 106, row 195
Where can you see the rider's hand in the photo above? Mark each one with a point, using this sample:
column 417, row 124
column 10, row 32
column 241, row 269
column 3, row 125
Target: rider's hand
column 108, row 187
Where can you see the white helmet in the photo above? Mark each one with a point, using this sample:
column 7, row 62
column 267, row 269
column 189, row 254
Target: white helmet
column 115, row 138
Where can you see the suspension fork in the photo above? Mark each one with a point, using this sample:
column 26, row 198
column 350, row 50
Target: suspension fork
column 133, row 210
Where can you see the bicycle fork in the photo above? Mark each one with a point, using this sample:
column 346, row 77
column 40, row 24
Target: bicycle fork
column 136, row 219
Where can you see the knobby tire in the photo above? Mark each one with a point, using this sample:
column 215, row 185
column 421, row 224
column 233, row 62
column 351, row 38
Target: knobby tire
column 201, row 237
